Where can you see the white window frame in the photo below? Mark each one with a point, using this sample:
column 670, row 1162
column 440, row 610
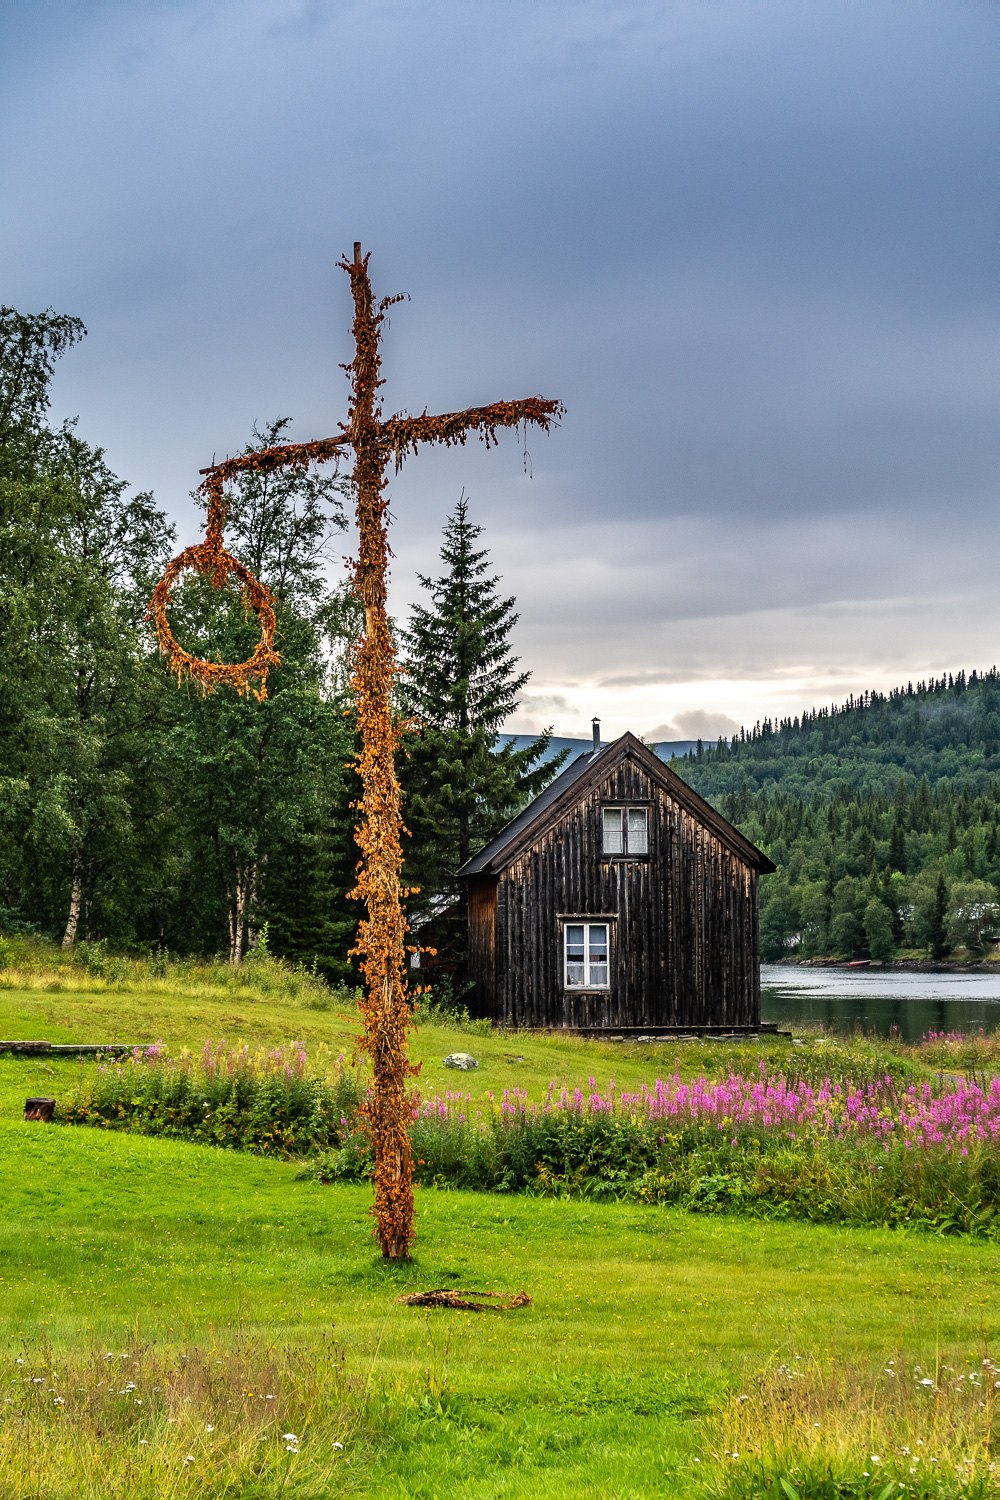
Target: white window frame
column 587, row 983
column 631, row 841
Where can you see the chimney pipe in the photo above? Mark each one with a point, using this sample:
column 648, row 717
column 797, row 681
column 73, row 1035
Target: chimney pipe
column 596, row 726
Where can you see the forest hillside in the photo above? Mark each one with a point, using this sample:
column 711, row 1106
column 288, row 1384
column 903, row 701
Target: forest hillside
column 882, row 815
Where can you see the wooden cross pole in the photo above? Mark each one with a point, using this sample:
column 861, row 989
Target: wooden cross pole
column 381, row 936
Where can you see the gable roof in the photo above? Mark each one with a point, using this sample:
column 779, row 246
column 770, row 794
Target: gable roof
column 578, row 778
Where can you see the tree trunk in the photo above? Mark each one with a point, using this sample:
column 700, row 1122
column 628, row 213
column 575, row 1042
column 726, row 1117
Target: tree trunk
column 236, row 897
column 253, row 932
column 75, row 901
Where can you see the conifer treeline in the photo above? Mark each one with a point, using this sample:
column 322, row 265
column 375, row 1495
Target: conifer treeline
column 946, row 727
column 883, row 816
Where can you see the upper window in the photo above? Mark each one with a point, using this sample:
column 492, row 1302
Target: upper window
column 586, row 955
column 625, row 830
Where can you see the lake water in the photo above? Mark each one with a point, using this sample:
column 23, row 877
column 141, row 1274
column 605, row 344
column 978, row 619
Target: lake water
column 878, row 999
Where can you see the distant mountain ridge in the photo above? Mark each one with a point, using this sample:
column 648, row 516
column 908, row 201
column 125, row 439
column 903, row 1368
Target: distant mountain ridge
column 665, row 749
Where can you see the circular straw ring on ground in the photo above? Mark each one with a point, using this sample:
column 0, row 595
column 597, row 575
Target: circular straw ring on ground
column 214, row 561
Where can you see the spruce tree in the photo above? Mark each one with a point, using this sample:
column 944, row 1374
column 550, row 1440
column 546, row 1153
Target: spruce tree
column 460, row 684
column 304, row 898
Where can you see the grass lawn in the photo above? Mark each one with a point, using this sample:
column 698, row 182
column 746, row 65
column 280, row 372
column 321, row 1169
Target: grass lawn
column 186, row 1015
column 645, row 1328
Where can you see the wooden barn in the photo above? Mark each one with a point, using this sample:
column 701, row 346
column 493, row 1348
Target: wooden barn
column 617, row 899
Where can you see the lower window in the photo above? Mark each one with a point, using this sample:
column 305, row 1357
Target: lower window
column 586, row 955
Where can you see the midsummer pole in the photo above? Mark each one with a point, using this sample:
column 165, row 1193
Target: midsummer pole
column 382, row 932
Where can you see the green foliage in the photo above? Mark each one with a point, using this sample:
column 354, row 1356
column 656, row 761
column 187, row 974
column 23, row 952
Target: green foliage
column 945, row 730
column 443, row 1004
column 131, row 813
column 878, row 929
column 263, row 809
column 80, row 800
column 30, row 344
column 264, row 1101
column 865, row 875
column 761, row 1177
column 101, row 964
column 888, row 792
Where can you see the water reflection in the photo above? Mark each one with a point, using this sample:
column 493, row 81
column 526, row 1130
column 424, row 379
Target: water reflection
column 878, row 1000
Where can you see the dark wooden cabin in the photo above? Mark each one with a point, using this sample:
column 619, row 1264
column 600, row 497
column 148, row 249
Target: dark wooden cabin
column 618, row 898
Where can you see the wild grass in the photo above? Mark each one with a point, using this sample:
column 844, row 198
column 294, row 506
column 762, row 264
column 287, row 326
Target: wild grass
column 975, row 1054
column 32, row 963
column 833, row 1430
column 236, row 1418
column 241, row 1418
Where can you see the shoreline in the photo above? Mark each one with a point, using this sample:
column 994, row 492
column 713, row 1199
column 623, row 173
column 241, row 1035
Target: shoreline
column 890, row 966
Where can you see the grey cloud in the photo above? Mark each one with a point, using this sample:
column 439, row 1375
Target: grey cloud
column 696, row 723
column 751, row 247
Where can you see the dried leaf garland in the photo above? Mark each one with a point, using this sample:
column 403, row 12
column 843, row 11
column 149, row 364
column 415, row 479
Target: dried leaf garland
column 382, row 932
column 462, row 1301
column 212, row 559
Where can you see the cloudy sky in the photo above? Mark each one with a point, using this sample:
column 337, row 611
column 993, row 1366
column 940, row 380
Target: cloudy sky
column 751, row 246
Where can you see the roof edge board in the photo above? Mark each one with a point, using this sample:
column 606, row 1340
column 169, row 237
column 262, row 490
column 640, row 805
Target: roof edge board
column 513, row 838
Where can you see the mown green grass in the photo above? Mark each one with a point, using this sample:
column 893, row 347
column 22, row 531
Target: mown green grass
column 106, row 1234
column 612, row 1383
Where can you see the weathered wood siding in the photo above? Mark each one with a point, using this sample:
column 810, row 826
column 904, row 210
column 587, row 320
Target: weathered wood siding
column 482, row 943
column 683, row 934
